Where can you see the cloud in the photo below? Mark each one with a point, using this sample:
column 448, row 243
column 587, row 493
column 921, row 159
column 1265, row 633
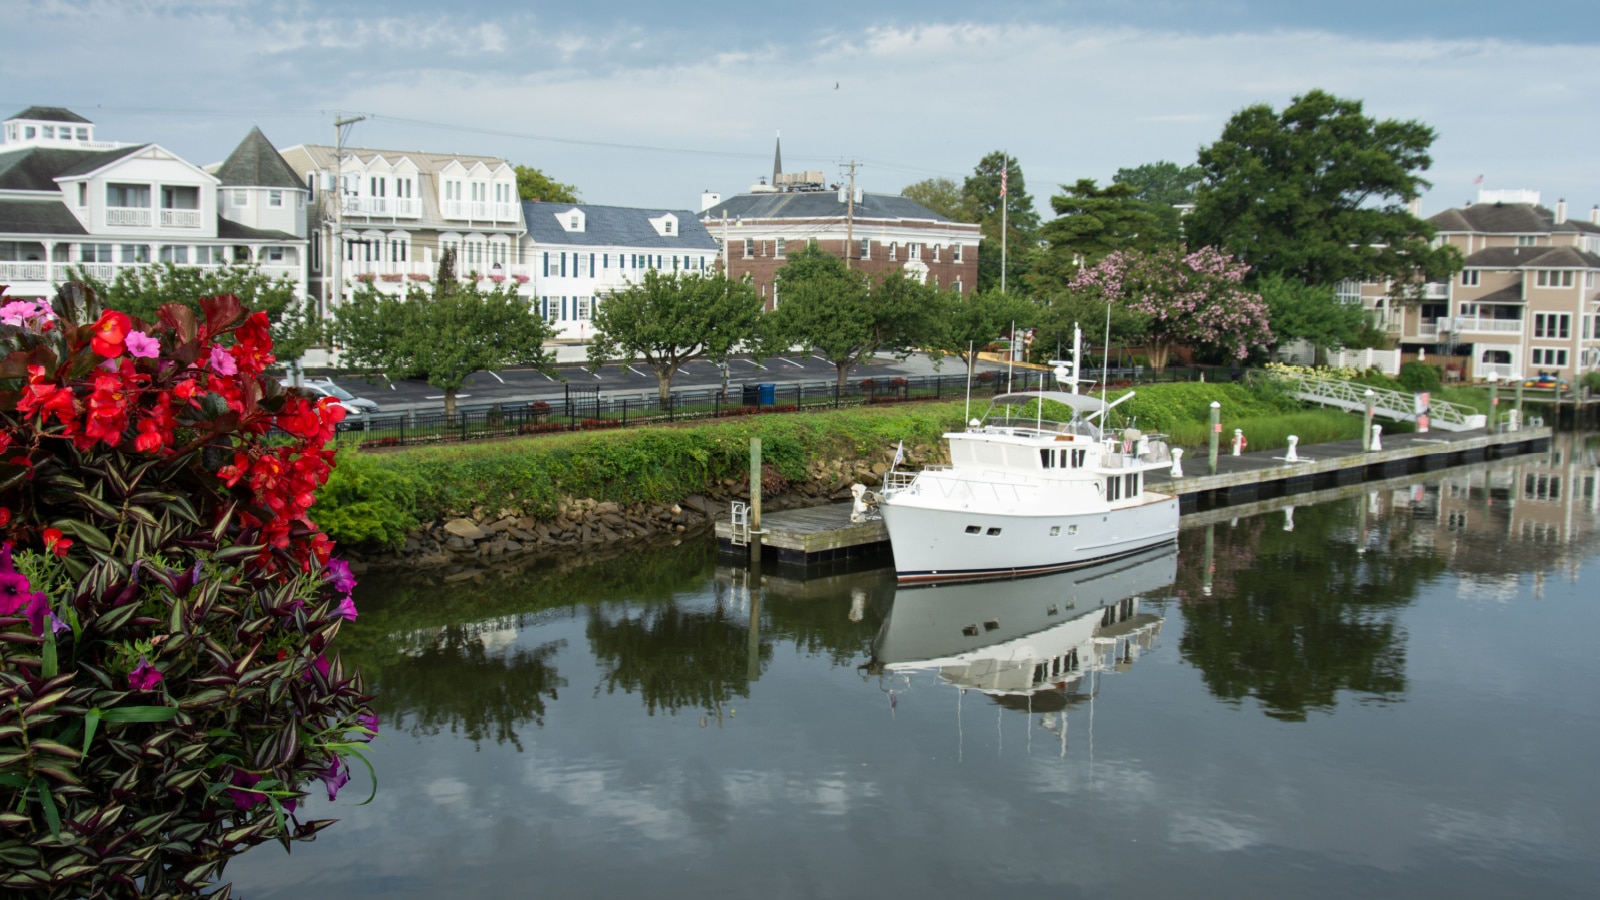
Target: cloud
column 912, row 100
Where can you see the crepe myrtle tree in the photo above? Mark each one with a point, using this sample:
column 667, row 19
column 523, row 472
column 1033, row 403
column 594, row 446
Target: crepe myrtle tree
column 668, row 319
column 443, row 335
column 1197, row 298
column 844, row 316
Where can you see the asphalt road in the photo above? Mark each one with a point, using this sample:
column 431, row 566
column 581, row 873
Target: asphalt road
column 613, row 381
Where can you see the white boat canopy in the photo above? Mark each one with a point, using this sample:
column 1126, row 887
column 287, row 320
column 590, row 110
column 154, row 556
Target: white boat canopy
column 1081, row 404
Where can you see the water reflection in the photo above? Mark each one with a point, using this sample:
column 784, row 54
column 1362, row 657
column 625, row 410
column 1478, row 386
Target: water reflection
column 472, row 681
column 1295, row 609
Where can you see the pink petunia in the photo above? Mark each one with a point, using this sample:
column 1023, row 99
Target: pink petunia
column 142, row 345
column 222, row 362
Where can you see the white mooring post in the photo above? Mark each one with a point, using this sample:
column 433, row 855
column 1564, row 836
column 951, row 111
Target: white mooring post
column 1377, row 438
column 1292, row 456
column 1238, row 441
column 1177, row 462
column 1371, row 399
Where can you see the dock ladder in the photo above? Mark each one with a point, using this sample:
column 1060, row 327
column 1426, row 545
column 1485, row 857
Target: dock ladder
column 740, row 511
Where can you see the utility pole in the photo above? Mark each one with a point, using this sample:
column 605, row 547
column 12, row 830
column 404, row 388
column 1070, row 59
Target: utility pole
column 1005, row 166
column 336, row 244
column 850, row 217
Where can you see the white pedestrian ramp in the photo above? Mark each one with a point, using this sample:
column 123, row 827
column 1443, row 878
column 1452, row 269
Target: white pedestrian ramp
column 1389, row 404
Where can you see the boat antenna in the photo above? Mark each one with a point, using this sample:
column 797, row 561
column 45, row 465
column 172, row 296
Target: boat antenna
column 1105, row 367
column 972, row 362
column 1011, row 354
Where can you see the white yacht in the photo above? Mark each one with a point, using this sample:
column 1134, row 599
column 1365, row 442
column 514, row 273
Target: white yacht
column 1025, row 494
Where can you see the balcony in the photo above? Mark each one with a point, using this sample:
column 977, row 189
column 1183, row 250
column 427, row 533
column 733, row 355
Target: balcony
column 1428, row 329
column 477, row 210
column 393, row 207
column 18, row 273
column 180, row 218
column 1436, row 290
column 14, row 272
column 126, row 216
column 1463, row 325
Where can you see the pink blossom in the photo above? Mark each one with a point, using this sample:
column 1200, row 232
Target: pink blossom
column 144, row 677
column 142, row 345
column 222, row 361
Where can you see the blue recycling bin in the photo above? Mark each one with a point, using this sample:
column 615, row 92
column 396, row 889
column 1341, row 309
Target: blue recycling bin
column 769, row 394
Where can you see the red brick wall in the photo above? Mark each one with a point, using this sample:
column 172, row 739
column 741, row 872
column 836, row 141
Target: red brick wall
column 764, row 263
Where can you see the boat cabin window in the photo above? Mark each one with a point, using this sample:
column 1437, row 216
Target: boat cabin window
column 1113, row 489
column 973, row 529
column 1053, row 458
column 1047, row 457
column 1078, row 457
column 1130, row 484
column 1055, row 530
column 994, row 532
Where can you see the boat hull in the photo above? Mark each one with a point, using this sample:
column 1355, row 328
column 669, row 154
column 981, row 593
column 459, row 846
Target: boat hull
column 940, row 544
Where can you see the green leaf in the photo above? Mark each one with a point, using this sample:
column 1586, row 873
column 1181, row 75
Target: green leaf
column 122, row 714
column 97, row 506
column 85, row 532
column 91, row 721
column 50, row 666
column 52, row 816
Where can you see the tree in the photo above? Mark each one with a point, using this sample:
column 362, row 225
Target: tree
column 1319, row 193
column 142, row 291
column 670, row 318
column 1310, row 312
column 533, row 184
column 1163, row 186
column 1093, row 221
column 981, row 194
column 841, row 315
column 444, row 337
column 941, row 195
column 1183, row 298
column 968, row 323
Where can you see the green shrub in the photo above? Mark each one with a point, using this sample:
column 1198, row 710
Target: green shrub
column 1417, row 376
column 366, row 503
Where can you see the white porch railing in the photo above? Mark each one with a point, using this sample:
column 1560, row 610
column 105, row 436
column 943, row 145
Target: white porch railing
column 127, row 216
column 1428, row 329
column 479, row 209
column 398, row 207
column 1499, row 370
column 180, row 218
column 13, row 272
column 1493, row 326
column 1436, row 290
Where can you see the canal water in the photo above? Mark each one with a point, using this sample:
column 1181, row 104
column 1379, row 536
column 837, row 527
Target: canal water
column 1388, row 692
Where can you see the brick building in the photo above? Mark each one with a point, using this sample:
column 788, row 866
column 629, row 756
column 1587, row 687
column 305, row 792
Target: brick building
column 878, row 233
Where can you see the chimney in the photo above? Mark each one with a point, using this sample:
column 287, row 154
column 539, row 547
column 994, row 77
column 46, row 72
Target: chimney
column 1594, row 215
column 1561, row 211
column 708, row 200
column 1414, row 206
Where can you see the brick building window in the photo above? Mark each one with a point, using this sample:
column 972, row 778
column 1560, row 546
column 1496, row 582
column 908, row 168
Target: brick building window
column 866, row 248
column 749, row 248
column 955, row 254
column 783, row 248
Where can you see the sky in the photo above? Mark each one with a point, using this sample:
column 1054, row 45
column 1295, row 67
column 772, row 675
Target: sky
column 645, row 103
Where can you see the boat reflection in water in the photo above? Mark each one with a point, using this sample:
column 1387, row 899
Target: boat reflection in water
column 1030, row 644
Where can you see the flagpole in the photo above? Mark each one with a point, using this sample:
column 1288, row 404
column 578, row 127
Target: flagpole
column 1005, row 164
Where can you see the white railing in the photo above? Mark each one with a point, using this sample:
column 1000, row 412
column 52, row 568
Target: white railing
column 13, row 272
column 1389, row 404
column 479, row 209
column 180, row 218
column 1499, row 370
column 1436, row 290
column 125, row 216
column 398, row 207
column 1428, row 329
column 1497, row 326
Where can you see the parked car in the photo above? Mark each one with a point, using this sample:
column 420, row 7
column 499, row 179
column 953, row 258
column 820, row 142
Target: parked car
column 324, row 387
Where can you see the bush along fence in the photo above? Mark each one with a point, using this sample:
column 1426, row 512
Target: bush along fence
column 580, row 409
column 169, row 691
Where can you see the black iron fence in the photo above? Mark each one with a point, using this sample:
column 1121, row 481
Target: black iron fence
column 587, row 409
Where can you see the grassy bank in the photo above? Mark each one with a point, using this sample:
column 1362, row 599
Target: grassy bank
column 377, row 498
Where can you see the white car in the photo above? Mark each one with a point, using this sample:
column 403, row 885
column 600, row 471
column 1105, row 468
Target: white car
column 324, row 387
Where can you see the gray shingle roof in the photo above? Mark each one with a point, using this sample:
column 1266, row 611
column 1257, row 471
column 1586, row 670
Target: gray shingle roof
column 36, row 168
column 38, row 217
column 256, row 163
column 1511, row 294
column 819, row 205
column 226, row 228
column 50, row 114
column 1505, row 218
column 1533, row 258
column 614, row 226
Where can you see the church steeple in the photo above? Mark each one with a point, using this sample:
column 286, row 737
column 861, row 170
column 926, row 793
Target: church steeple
column 777, row 158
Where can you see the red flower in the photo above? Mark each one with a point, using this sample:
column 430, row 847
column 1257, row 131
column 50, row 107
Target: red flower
column 109, row 333
column 55, row 542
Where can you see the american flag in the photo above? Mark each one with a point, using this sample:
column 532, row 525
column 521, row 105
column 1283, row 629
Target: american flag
column 1005, row 166
column 1478, row 180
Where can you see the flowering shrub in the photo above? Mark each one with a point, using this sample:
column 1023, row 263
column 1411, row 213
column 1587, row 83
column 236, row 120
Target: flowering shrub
column 168, row 690
column 391, row 276
column 497, row 278
column 420, row 276
column 368, row 277
column 1183, row 298
column 521, row 279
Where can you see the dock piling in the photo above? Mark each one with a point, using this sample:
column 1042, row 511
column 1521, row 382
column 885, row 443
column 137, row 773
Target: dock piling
column 1216, row 433
column 755, row 498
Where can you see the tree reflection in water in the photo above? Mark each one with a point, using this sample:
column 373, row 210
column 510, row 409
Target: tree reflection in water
column 675, row 657
column 1294, row 618
column 458, row 682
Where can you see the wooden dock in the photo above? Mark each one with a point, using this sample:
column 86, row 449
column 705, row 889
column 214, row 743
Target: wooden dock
column 824, row 535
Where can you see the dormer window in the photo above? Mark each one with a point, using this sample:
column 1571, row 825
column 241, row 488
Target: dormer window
column 572, row 223
column 667, row 226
